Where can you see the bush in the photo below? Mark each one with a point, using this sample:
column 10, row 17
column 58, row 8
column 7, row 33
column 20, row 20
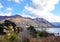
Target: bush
column 43, row 34
column 11, row 38
column 32, row 30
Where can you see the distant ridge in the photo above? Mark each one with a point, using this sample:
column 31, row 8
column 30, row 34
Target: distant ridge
column 26, row 21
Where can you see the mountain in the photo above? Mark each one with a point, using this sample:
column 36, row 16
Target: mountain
column 57, row 24
column 26, row 21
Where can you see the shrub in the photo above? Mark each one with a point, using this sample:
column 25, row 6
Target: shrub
column 11, row 38
column 43, row 34
column 33, row 32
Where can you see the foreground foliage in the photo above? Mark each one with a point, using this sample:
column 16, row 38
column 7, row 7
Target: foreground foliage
column 11, row 38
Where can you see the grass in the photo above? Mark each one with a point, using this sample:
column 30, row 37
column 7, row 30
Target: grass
column 9, row 38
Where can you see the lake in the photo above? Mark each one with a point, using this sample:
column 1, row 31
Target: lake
column 50, row 30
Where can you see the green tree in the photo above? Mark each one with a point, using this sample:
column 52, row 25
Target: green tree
column 1, row 29
column 33, row 32
column 7, row 23
column 43, row 34
column 14, row 25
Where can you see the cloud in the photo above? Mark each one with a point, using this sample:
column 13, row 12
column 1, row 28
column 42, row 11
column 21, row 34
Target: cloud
column 17, row 1
column 27, row 16
column 7, row 13
column 9, row 9
column 47, row 5
column 1, row 6
column 43, row 8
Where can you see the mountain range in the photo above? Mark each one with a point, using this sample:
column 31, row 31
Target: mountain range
column 57, row 24
column 26, row 21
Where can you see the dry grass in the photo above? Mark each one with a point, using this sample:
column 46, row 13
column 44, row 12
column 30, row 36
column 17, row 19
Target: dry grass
column 2, row 38
column 46, row 39
column 38, row 39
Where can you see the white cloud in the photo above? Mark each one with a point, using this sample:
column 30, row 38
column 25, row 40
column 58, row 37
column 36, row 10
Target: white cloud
column 47, row 5
column 43, row 9
column 47, row 15
column 1, row 6
column 17, row 1
column 9, row 9
column 28, row 16
column 24, row 15
column 7, row 13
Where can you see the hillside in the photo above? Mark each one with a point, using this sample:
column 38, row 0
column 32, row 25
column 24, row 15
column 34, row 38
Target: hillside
column 25, row 21
column 57, row 24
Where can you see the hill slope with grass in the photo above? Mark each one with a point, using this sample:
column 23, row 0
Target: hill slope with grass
column 26, row 21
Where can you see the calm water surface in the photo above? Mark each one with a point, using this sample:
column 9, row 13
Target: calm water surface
column 50, row 30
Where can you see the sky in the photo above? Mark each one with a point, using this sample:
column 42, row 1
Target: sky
column 47, row 9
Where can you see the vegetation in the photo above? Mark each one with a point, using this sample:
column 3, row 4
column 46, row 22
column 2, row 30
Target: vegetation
column 43, row 34
column 1, row 29
column 11, row 38
column 33, row 32
column 8, row 23
column 35, row 36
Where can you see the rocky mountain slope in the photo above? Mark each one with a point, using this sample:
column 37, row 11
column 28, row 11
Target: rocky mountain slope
column 25, row 21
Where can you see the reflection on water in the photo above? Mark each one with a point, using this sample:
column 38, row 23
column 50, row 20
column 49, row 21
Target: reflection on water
column 50, row 30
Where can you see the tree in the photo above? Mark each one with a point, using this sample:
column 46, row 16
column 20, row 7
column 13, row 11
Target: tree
column 7, row 23
column 43, row 34
column 14, row 25
column 1, row 29
column 32, row 31
column 18, row 29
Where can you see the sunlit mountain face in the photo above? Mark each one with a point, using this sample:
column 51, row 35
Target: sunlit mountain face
column 26, row 21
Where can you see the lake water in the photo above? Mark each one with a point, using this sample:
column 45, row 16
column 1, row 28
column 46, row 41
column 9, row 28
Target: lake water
column 50, row 30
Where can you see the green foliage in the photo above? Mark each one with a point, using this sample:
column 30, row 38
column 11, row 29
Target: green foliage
column 31, row 28
column 19, row 29
column 11, row 38
column 33, row 32
column 43, row 34
column 8, row 23
column 1, row 29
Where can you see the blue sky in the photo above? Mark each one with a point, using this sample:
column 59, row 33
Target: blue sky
column 57, row 9
column 47, row 9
